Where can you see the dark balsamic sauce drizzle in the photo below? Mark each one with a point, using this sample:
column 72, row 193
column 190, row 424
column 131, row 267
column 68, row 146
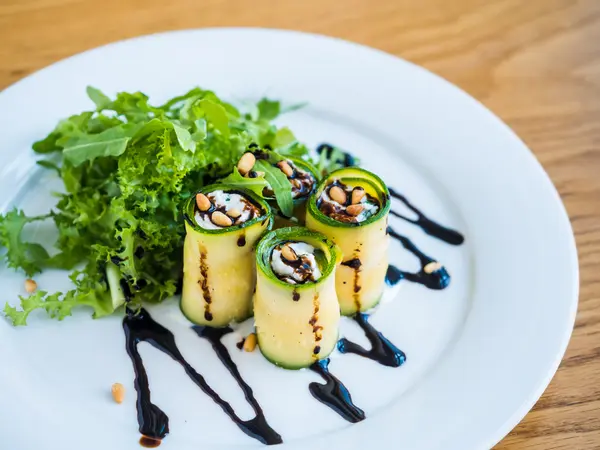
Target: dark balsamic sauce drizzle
column 241, row 240
column 393, row 276
column 334, row 394
column 258, row 428
column 437, row 280
column 382, row 350
column 430, row 227
column 140, row 327
column 153, row 422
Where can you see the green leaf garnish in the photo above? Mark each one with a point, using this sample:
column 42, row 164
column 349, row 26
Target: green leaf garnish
column 256, row 185
column 28, row 256
column 111, row 142
column 96, row 95
column 127, row 167
column 280, row 184
column 268, row 109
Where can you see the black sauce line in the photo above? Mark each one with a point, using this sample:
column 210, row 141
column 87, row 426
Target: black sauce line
column 153, row 422
column 430, row 227
column 382, row 350
column 393, row 275
column 257, row 427
column 334, row 394
column 438, row 279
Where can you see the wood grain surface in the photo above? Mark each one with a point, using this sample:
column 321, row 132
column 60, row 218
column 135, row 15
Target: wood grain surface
column 535, row 63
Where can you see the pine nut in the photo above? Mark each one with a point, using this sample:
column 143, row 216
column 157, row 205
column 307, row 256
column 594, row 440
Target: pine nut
column 431, row 267
column 250, row 343
column 218, row 218
column 354, row 210
column 357, row 195
column 118, row 392
column 234, row 213
column 337, row 194
column 246, row 163
column 285, row 168
column 202, row 202
column 288, row 253
column 30, row 286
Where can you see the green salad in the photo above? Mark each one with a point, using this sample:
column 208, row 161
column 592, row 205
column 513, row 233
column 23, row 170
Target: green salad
column 127, row 169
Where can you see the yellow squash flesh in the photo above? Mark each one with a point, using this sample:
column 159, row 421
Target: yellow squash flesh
column 219, row 271
column 365, row 247
column 296, row 325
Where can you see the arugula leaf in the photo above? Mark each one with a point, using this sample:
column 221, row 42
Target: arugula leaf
column 256, row 185
column 96, row 95
column 280, row 185
column 76, row 125
column 216, row 115
column 268, row 109
column 111, row 142
column 49, row 165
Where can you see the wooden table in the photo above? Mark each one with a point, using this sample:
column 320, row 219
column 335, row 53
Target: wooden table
column 535, row 63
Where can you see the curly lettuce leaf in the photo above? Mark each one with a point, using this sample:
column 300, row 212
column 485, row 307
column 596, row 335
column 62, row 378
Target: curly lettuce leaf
column 28, row 256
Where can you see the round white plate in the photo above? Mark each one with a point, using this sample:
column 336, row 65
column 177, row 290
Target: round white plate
column 480, row 353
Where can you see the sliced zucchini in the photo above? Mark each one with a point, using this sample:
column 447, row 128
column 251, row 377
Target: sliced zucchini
column 219, row 270
column 364, row 245
column 296, row 324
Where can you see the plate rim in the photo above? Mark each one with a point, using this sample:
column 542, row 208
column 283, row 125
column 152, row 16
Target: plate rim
column 570, row 241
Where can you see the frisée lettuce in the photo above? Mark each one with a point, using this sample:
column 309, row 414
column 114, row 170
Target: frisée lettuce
column 127, row 167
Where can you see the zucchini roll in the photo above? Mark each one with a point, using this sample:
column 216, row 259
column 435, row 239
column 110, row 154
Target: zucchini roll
column 222, row 225
column 296, row 311
column 351, row 207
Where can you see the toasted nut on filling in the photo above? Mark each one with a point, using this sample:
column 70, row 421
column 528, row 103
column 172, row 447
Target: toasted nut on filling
column 285, row 168
column 288, row 253
column 30, row 286
column 250, row 343
column 118, row 392
column 234, row 213
column 354, row 210
column 220, row 219
column 246, row 163
column 357, row 195
column 202, row 202
column 337, row 194
column 431, row 267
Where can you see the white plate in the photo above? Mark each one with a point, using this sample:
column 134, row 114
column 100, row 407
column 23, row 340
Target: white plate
column 479, row 353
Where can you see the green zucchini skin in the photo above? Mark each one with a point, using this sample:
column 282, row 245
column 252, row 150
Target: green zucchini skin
column 219, row 270
column 358, row 288
column 296, row 325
